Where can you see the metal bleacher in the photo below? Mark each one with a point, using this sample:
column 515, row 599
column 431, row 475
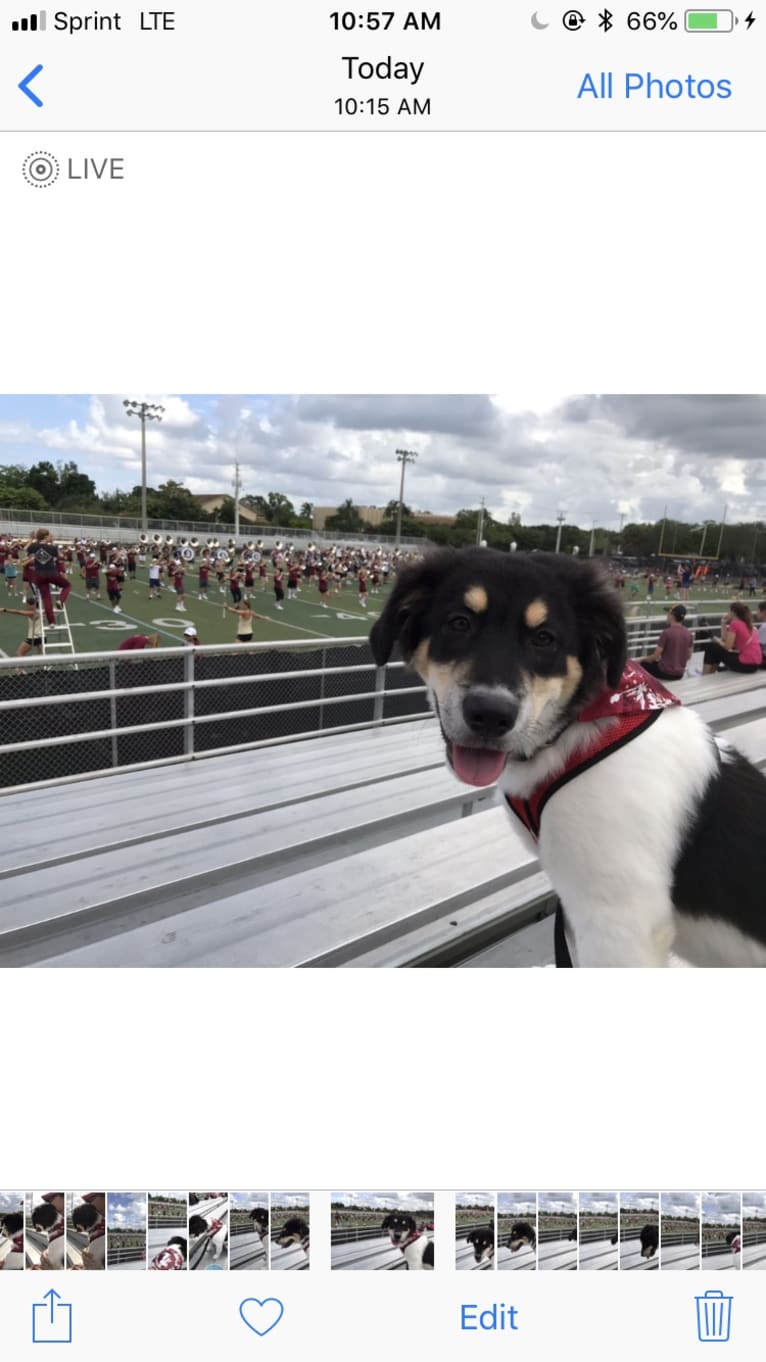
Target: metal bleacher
column 358, row 848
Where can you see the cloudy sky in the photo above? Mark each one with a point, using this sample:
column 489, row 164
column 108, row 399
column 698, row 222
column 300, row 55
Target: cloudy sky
column 557, row 1203
column 639, row 1201
column 474, row 1198
column 126, row 1210
column 289, row 1199
column 10, row 1201
column 590, row 457
column 599, row 1203
column 754, row 1205
column 403, row 1201
column 247, row 1201
column 721, row 1208
column 517, row 1203
column 681, row 1205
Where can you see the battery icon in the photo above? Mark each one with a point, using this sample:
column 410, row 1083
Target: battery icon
column 709, row 20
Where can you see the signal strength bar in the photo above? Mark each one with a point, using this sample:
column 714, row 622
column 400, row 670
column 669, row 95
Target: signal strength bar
column 34, row 23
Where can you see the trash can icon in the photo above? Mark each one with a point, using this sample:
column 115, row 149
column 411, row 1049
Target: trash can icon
column 713, row 1317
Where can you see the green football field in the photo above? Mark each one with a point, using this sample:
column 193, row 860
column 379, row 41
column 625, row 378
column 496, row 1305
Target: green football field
column 95, row 627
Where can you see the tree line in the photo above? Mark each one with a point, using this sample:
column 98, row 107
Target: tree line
column 62, row 487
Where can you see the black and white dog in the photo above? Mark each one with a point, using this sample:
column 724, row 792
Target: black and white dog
column 260, row 1218
column 86, row 1220
column 522, row 1235
column 650, row 1240
column 12, row 1227
column 483, row 1241
column 647, row 826
column 216, row 1231
column 404, row 1234
column 294, row 1231
column 47, row 1220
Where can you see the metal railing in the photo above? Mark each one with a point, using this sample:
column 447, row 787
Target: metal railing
column 96, row 713
column 126, row 529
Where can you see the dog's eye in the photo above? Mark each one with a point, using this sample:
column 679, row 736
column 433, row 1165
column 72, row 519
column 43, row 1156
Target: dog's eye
column 460, row 623
column 543, row 638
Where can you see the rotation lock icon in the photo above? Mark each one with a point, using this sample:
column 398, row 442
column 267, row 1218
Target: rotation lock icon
column 41, row 169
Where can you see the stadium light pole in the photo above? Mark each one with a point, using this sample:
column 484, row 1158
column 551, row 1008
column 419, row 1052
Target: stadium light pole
column 404, row 456
column 560, row 517
column 145, row 411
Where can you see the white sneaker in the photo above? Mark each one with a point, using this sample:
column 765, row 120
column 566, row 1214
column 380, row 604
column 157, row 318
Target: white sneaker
column 117, row 610
column 280, row 607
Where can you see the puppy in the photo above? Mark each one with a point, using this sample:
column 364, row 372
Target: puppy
column 216, row 1230
column 483, row 1241
column 294, row 1231
column 734, row 1240
column 522, row 1235
column 404, row 1234
column 12, row 1228
column 46, row 1220
column 171, row 1257
column 631, row 803
column 650, row 1240
column 86, row 1220
column 260, row 1219
column 572, row 1236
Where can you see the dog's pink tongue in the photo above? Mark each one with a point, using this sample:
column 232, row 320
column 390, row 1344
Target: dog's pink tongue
column 477, row 765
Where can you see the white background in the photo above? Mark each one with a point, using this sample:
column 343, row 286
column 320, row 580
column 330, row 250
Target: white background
column 433, row 263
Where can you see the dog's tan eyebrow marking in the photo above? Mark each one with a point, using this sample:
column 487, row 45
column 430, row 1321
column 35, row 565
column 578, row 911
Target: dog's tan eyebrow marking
column 476, row 599
column 535, row 614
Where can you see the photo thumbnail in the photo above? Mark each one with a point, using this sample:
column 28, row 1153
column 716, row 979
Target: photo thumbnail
column 557, row 1231
column 517, row 1231
column 721, row 1231
column 598, row 1233
column 249, row 1238
column 382, row 1231
column 45, row 1230
column 754, row 1231
column 680, row 1229
column 126, row 1220
column 474, row 1230
column 290, row 1228
column 168, row 1237
column 208, row 1230
column 639, row 1230
column 86, row 1231
column 12, row 1231
column 374, row 616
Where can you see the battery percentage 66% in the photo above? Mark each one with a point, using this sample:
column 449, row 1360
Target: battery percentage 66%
column 647, row 19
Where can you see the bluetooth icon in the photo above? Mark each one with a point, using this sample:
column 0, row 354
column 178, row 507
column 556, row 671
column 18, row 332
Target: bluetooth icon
column 605, row 20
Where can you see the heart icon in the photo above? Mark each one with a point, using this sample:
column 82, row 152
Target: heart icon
column 261, row 1316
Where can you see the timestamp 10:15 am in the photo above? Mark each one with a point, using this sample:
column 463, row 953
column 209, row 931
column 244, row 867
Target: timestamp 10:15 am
column 349, row 107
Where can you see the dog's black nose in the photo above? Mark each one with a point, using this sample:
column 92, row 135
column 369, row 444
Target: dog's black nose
column 489, row 715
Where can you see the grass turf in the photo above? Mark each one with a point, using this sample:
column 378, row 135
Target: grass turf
column 95, row 627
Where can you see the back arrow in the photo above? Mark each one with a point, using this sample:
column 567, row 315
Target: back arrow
column 25, row 83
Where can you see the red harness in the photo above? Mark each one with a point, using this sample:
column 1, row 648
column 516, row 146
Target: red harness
column 638, row 702
column 56, row 1232
column 18, row 1243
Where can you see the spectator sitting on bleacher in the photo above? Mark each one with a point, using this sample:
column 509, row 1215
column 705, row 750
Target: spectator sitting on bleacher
column 738, row 648
column 674, row 648
column 761, row 632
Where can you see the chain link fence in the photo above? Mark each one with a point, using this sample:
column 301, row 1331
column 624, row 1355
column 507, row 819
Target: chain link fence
column 94, row 713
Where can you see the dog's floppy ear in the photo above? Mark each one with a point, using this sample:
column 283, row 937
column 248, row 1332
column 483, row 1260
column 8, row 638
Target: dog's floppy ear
column 403, row 615
column 602, row 623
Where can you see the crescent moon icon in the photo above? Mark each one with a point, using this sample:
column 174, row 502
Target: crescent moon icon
column 536, row 22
